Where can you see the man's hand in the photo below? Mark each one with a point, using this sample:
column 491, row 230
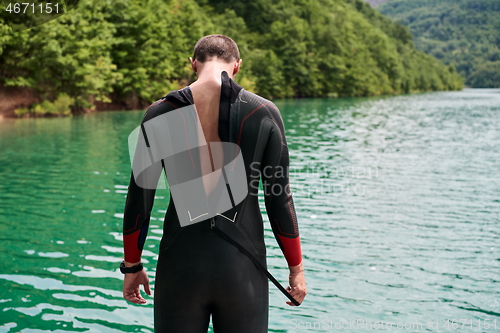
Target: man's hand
column 131, row 290
column 297, row 287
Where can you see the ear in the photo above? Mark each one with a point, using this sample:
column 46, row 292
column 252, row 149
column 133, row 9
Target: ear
column 193, row 64
column 237, row 66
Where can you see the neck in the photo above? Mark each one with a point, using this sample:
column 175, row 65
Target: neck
column 212, row 71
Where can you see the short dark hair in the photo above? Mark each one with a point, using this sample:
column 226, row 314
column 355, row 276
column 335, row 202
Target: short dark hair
column 219, row 46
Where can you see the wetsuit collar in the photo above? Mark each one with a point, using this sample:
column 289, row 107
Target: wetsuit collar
column 229, row 93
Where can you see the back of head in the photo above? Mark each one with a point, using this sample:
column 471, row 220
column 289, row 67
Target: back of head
column 219, row 46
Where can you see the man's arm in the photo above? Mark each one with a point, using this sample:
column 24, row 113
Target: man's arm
column 279, row 204
column 142, row 188
column 136, row 217
column 137, row 213
column 138, row 208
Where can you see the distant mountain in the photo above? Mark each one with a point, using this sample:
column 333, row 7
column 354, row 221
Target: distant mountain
column 375, row 3
column 465, row 33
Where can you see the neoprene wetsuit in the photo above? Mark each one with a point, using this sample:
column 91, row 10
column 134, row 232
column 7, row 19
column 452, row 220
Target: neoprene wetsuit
column 198, row 273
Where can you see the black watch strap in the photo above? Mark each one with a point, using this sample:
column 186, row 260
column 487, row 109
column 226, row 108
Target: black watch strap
column 132, row 269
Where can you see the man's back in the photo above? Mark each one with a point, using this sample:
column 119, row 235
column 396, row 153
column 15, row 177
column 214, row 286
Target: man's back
column 206, row 95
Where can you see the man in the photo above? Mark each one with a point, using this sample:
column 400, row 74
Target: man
column 201, row 271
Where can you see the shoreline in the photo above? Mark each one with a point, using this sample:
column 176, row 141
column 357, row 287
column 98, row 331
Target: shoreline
column 7, row 108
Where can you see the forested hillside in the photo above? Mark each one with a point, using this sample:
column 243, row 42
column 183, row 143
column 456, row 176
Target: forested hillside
column 375, row 3
column 132, row 52
column 461, row 32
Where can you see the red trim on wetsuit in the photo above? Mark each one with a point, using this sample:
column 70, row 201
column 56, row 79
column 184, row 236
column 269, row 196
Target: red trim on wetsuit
column 136, row 222
column 291, row 250
column 248, row 115
column 131, row 251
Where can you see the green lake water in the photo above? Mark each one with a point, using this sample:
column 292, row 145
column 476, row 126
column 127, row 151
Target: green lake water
column 398, row 202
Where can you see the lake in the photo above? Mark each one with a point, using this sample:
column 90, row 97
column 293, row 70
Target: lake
column 398, row 202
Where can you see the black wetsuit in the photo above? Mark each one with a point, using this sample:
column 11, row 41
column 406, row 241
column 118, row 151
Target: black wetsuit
column 198, row 273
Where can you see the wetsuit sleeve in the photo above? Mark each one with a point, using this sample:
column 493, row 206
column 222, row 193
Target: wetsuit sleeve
column 136, row 220
column 278, row 197
column 140, row 201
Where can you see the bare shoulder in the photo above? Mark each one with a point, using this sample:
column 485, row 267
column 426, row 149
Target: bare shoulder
column 206, row 90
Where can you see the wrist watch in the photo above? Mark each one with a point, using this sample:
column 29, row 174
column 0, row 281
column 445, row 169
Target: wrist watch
column 132, row 269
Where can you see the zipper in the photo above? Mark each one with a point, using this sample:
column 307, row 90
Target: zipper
column 212, row 223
